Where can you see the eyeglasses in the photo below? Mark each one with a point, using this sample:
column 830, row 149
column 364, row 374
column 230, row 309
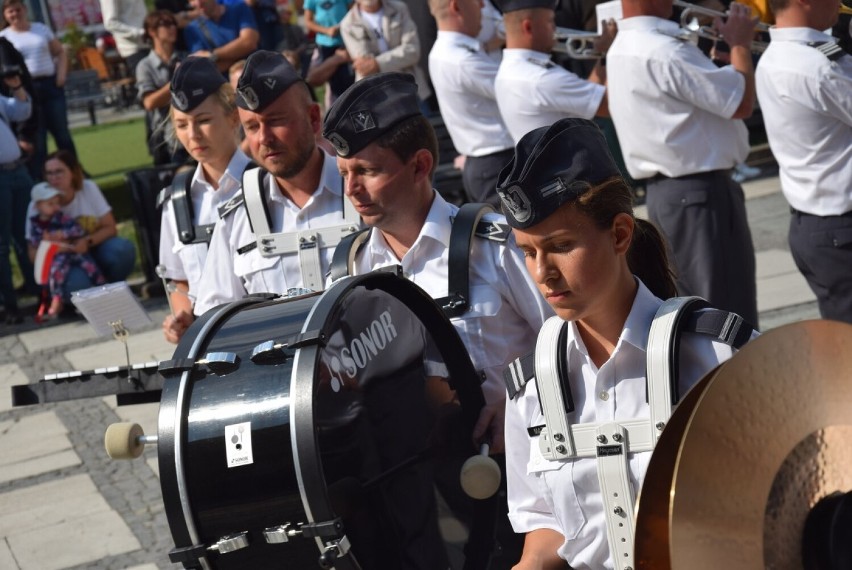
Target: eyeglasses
column 54, row 172
column 166, row 24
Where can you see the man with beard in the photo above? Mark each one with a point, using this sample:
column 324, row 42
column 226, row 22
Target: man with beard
column 298, row 187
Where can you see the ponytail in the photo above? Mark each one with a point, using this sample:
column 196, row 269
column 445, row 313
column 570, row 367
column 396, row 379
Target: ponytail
column 647, row 257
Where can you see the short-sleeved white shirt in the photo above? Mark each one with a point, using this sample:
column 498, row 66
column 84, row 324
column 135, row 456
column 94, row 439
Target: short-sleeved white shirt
column 565, row 495
column 463, row 77
column 806, row 100
column 231, row 274
column 186, row 262
column 87, row 208
column 534, row 92
column 34, row 45
column 506, row 311
column 671, row 105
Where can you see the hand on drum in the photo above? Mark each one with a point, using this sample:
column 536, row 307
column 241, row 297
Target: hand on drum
column 489, row 426
column 175, row 325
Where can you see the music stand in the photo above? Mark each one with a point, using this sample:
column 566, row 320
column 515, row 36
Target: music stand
column 112, row 310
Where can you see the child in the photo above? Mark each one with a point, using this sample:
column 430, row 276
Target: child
column 51, row 224
column 605, row 273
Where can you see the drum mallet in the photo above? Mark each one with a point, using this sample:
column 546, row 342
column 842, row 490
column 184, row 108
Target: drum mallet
column 480, row 475
column 161, row 273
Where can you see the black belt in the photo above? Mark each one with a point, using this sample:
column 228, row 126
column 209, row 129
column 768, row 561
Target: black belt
column 796, row 212
column 12, row 165
column 658, row 177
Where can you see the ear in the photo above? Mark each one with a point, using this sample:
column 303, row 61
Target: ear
column 527, row 26
column 423, row 162
column 622, row 232
column 315, row 117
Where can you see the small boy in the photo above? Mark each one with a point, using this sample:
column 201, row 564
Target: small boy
column 52, row 225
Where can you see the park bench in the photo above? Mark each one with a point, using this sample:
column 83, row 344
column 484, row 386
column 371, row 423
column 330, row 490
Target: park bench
column 83, row 90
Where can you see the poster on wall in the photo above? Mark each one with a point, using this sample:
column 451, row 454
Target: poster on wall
column 80, row 13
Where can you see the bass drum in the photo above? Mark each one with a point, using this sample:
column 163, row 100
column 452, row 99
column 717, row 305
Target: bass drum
column 327, row 429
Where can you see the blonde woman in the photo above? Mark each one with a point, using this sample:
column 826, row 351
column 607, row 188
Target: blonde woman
column 206, row 124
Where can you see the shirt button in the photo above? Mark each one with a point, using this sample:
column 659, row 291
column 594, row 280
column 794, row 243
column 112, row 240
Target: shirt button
column 604, row 396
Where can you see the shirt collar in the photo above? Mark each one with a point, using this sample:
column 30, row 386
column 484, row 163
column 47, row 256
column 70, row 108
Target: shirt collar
column 645, row 23
column 459, row 38
column 519, row 53
column 803, row 35
column 330, row 182
column 230, row 180
column 437, row 226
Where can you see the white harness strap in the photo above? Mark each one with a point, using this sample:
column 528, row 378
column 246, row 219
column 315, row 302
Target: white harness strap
column 609, row 443
column 307, row 243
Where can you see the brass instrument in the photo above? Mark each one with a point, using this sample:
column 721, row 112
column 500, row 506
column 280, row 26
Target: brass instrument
column 578, row 44
column 691, row 10
column 845, row 10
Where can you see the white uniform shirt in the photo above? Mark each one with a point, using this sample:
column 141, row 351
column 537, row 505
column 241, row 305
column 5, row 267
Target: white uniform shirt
column 506, row 311
column 670, row 104
column 565, row 495
column 185, row 262
column 534, row 92
column 231, row 275
column 807, row 109
column 463, row 77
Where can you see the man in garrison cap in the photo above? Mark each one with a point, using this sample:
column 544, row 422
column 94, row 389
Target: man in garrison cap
column 297, row 188
column 532, row 91
column 387, row 153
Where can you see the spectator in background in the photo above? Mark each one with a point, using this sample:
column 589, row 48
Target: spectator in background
column 268, row 23
column 125, row 19
column 183, row 12
column 323, row 17
column 380, row 35
column 50, row 224
column 83, row 201
column 48, row 65
column 26, row 131
column 14, row 192
column 153, row 75
column 224, row 33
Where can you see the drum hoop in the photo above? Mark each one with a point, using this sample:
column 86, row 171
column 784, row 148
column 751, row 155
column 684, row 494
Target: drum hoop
column 306, row 457
column 173, row 419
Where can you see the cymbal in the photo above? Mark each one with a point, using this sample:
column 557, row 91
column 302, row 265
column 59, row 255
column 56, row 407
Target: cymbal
column 765, row 441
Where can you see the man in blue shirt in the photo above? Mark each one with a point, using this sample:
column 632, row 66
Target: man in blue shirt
column 224, row 33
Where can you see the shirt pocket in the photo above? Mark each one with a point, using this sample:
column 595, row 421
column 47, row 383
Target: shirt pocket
column 472, row 325
column 563, row 498
column 250, row 266
column 192, row 258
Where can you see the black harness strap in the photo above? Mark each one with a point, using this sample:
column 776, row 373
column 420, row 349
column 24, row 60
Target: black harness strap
column 181, row 198
column 345, row 252
column 465, row 224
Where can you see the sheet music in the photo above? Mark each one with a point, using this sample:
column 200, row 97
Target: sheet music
column 608, row 11
column 113, row 303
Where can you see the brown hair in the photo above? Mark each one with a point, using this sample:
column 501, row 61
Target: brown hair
column 6, row 4
column 69, row 159
column 153, row 19
column 647, row 256
column 409, row 136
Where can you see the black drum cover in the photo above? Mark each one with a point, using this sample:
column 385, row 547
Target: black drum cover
column 351, row 425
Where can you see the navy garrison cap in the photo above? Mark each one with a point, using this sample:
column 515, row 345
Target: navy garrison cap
column 195, row 79
column 369, row 109
column 514, row 5
column 553, row 165
column 266, row 76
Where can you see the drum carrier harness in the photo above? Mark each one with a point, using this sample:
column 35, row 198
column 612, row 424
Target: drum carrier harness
column 467, row 223
column 307, row 243
column 179, row 192
column 610, row 442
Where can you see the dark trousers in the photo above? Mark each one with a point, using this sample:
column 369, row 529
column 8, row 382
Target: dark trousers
column 480, row 176
column 15, row 186
column 703, row 218
column 342, row 77
column 822, row 249
column 51, row 110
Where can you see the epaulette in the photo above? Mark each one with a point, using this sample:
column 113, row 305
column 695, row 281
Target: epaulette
column 518, row 373
column 495, row 231
column 163, row 195
column 545, row 64
column 232, row 204
column 830, row 49
column 467, row 48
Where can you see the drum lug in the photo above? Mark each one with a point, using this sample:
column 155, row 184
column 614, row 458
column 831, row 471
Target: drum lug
column 280, row 533
column 230, row 543
column 270, row 352
column 220, row 363
column 333, row 551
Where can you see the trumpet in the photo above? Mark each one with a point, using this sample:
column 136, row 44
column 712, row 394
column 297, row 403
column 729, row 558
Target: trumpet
column 845, row 10
column 691, row 10
column 578, row 44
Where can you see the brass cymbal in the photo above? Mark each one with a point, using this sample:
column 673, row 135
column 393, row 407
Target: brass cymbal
column 781, row 407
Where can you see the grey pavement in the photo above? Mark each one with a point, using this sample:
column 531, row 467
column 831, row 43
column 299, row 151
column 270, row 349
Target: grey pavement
column 65, row 505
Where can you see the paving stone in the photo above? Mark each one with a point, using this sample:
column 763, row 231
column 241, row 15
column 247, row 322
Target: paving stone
column 34, row 444
column 7, row 561
column 144, row 347
column 57, row 336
